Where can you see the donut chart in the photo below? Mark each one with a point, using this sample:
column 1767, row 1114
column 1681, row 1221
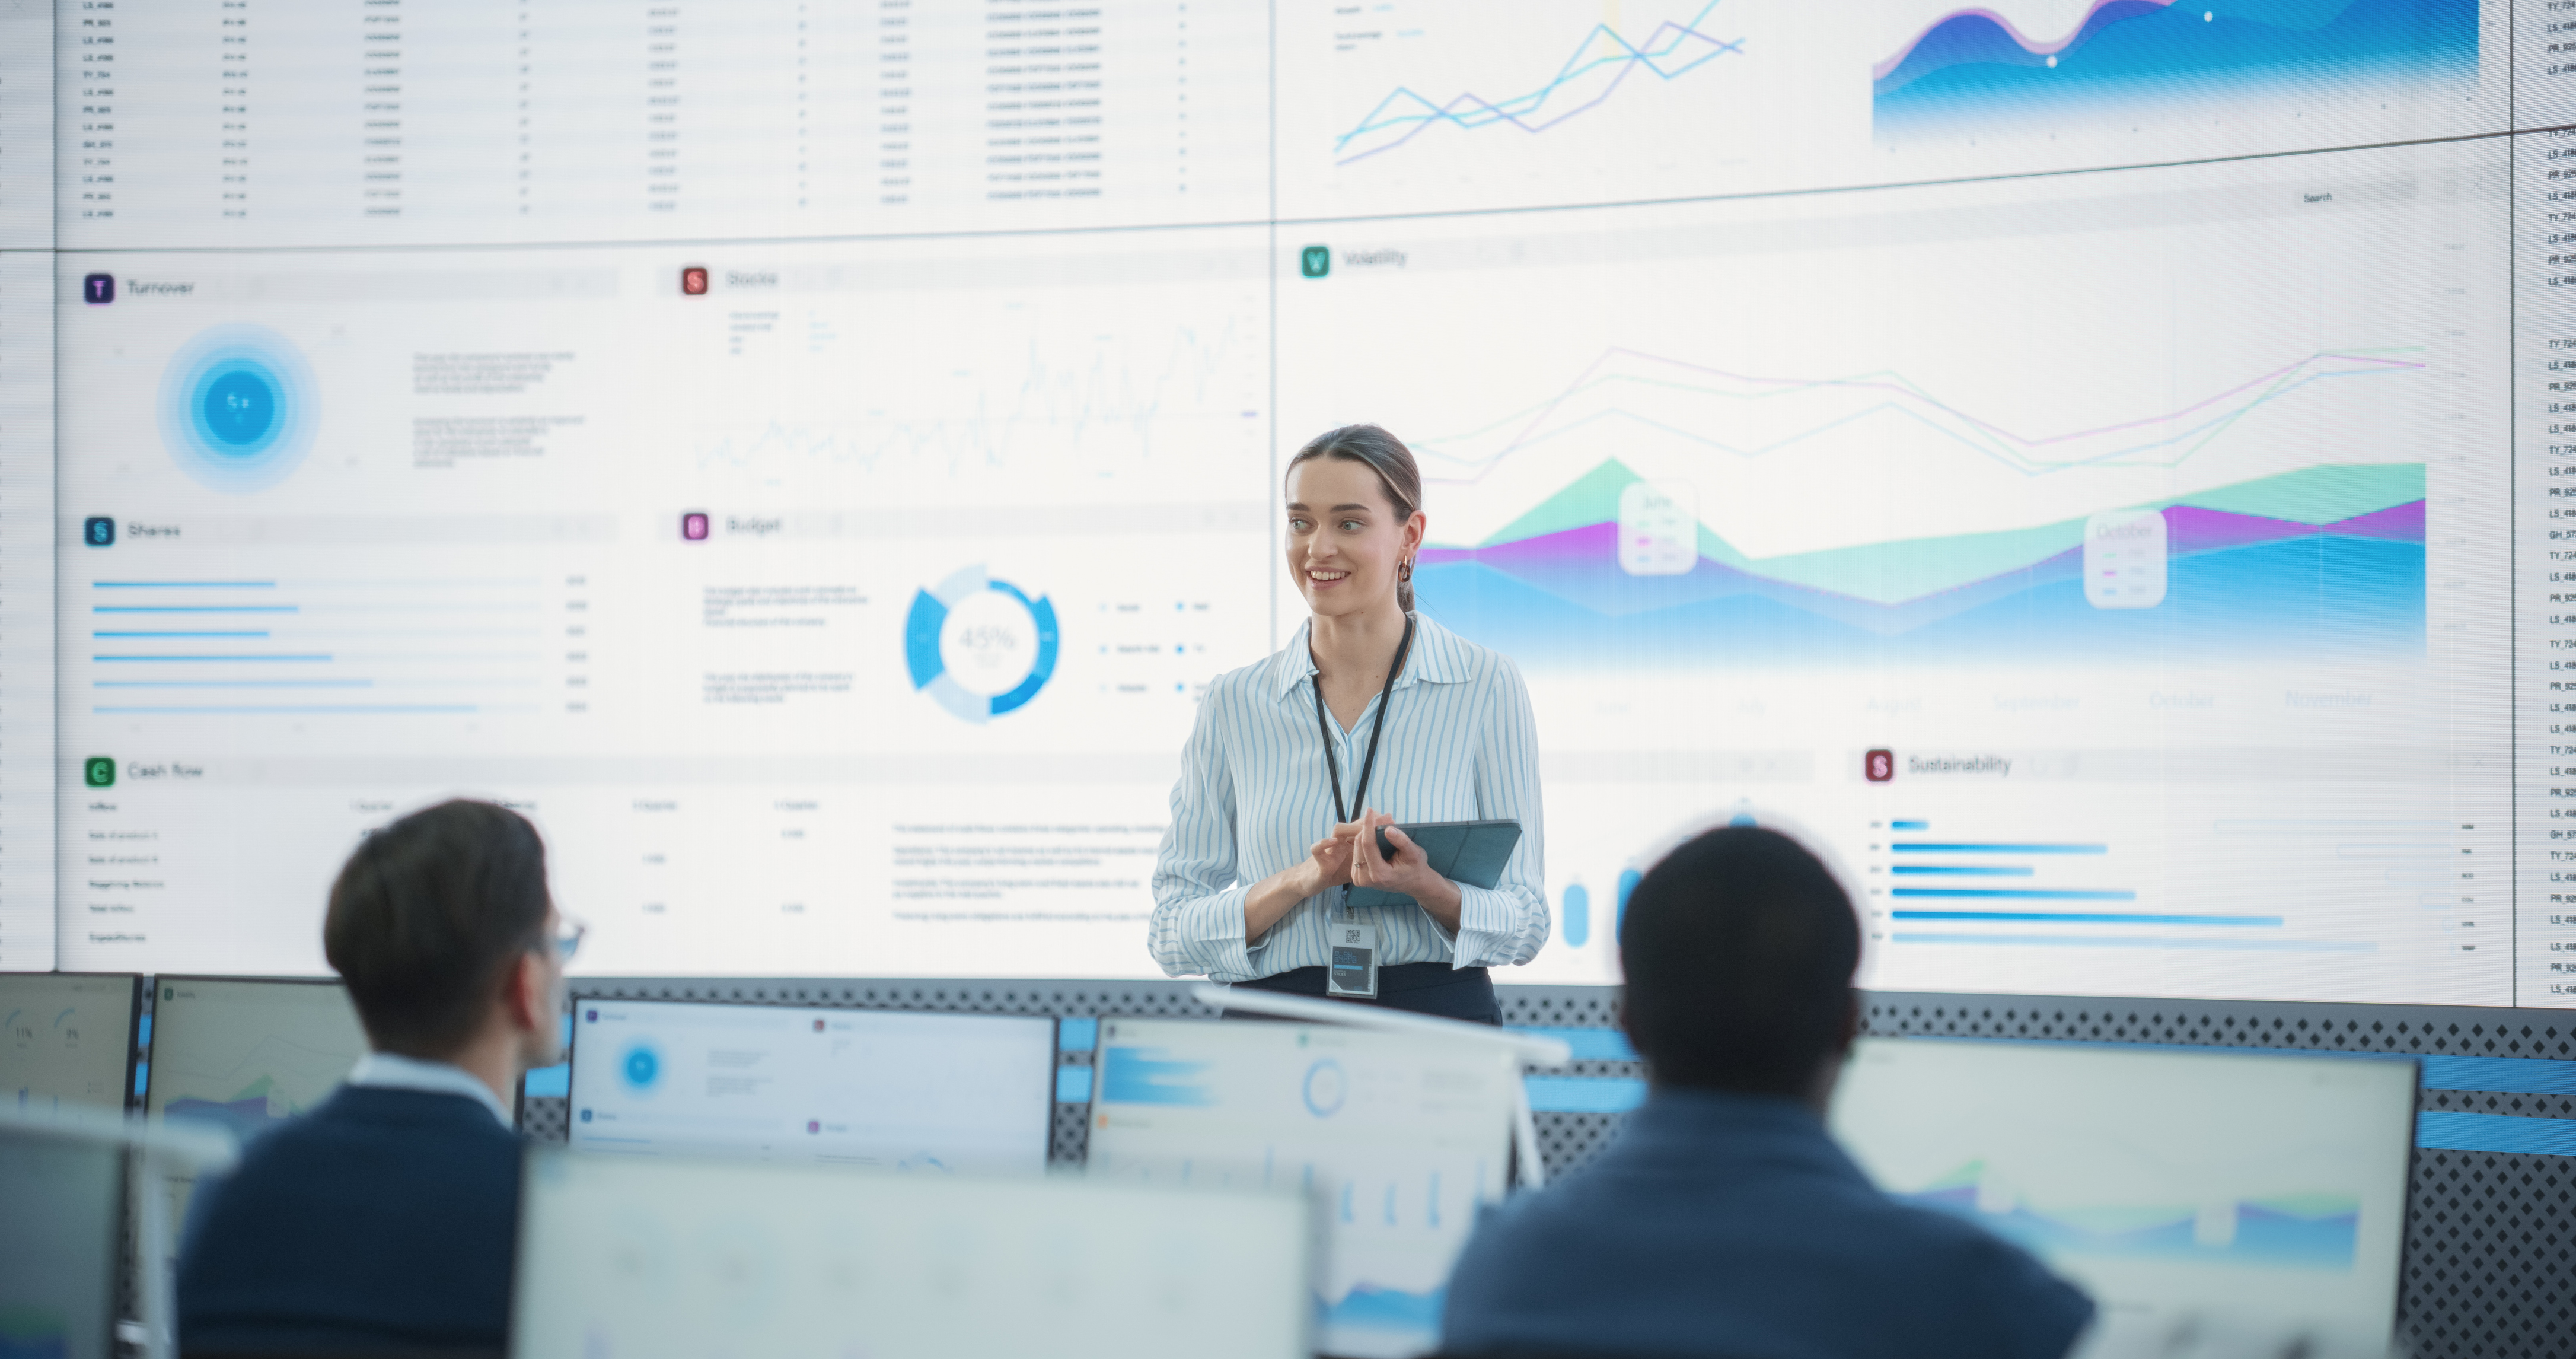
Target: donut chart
column 237, row 408
column 973, row 620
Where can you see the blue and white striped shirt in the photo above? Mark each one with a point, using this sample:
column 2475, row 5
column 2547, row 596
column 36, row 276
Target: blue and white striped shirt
column 1460, row 745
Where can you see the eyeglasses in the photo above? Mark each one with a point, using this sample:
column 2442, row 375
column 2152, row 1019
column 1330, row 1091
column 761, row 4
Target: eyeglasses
column 568, row 941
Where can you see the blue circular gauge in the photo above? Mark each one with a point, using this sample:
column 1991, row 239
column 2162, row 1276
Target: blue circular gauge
column 642, row 1068
column 972, row 620
column 237, row 408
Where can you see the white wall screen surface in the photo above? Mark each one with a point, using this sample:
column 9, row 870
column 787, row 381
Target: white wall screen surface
column 2091, row 468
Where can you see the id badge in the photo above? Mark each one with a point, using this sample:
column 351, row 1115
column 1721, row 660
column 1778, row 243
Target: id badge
column 1353, row 972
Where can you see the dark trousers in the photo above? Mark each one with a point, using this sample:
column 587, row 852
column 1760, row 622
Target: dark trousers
column 1423, row 988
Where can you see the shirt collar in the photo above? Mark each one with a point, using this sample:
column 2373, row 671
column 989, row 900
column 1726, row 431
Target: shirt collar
column 393, row 1071
column 1438, row 658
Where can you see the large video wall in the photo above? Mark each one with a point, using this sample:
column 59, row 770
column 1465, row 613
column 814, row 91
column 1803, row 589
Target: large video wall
column 2089, row 466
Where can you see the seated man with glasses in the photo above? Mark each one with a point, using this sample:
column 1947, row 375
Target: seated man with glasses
column 384, row 1220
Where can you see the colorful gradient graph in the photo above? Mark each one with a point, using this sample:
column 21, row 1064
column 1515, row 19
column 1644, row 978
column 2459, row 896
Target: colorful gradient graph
column 2328, row 560
column 2313, row 1231
column 246, row 1113
column 1370, row 1308
column 1976, row 66
column 1600, row 66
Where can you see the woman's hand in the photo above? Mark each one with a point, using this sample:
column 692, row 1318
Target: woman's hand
column 1328, row 861
column 1408, row 872
column 1327, row 865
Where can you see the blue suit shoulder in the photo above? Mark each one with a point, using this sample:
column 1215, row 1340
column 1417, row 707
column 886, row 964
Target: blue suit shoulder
column 382, row 1220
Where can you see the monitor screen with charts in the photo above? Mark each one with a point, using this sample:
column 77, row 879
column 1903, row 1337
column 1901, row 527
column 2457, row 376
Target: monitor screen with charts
column 245, row 1055
column 1398, row 1137
column 248, row 1053
column 931, row 1092
column 61, row 1211
column 66, row 1038
column 634, row 1258
column 2167, row 1183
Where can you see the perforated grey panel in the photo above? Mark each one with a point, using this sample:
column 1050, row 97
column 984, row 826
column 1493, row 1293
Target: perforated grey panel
column 543, row 1119
column 1569, row 1141
column 2490, row 1263
column 2438, row 1030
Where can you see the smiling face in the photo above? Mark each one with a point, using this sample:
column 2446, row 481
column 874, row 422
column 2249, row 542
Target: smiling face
column 1345, row 536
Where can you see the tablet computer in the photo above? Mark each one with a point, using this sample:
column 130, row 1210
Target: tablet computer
column 1472, row 852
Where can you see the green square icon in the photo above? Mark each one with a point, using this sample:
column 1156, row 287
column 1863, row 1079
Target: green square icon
column 1317, row 261
column 98, row 771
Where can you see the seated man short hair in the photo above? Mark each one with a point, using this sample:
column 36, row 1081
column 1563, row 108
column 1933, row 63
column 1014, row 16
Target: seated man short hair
column 1723, row 1220
column 384, row 1220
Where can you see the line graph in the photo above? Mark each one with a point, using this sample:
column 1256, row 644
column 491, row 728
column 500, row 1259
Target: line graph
column 1751, row 416
column 1600, row 65
column 1064, row 409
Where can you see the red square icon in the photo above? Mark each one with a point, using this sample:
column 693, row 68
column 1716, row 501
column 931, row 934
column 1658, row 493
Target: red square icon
column 693, row 526
column 1879, row 765
column 693, row 281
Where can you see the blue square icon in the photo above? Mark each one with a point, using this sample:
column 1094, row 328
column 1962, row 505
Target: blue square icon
column 98, row 531
column 98, row 289
column 1316, row 261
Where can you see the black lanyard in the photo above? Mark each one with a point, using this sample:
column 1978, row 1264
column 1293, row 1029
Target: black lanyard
column 1385, row 700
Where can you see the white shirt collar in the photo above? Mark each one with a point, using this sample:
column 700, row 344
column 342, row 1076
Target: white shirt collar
column 392, row 1071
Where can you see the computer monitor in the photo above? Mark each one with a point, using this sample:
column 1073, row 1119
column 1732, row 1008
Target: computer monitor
column 62, row 1199
column 642, row 1258
column 67, row 1038
column 246, row 1053
column 1398, row 1136
column 928, row 1092
column 2268, row 1188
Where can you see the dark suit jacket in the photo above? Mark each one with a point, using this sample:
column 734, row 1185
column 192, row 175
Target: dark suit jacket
column 383, row 1220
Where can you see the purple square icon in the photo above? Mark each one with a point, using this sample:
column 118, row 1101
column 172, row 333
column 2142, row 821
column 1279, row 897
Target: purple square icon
column 813, row 1125
column 594, row 1016
column 693, row 526
column 98, row 289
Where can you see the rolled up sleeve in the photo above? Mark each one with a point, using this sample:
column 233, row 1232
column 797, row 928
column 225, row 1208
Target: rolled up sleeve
column 1505, row 924
column 1198, row 902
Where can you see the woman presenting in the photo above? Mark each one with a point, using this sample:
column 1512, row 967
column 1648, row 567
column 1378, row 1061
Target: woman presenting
column 1372, row 715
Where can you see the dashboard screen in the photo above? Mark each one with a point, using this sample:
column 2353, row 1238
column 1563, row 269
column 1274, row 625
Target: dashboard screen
column 2168, row 1184
column 927, row 1093
column 666, row 1258
column 66, row 1038
column 1398, row 1139
column 246, row 1054
column 2094, row 471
